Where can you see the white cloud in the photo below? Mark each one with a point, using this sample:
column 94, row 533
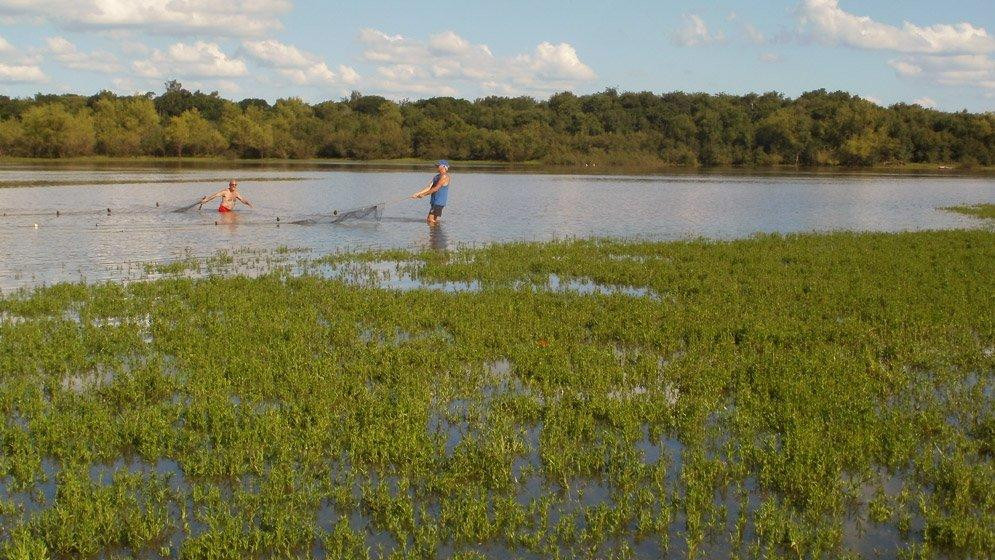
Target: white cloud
column 69, row 56
column 770, row 57
column 381, row 47
column 695, row 33
column 956, row 70
column 943, row 54
column 182, row 60
column 16, row 67
column 301, row 67
column 160, row 17
column 12, row 74
column 556, row 62
column 905, row 68
column 348, row 74
column 125, row 86
column 754, row 35
column 447, row 61
column 13, row 56
column 926, row 102
column 831, row 24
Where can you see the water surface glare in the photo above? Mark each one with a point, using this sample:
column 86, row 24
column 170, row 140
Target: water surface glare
column 85, row 241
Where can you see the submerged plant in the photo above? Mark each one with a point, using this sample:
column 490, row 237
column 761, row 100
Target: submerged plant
column 768, row 397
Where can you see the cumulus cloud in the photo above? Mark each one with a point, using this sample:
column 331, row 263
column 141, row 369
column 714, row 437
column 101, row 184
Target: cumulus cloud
column 446, row 61
column 69, row 56
column 943, row 54
column 21, row 73
column 754, row 35
column 16, row 67
column 956, row 70
column 301, row 67
column 182, row 60
column 926, row 102
column 831, row 24
column 160, row 17
column 695, row 33
column 552, row 62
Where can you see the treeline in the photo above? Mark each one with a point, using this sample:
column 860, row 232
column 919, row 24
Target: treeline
column 818, row 128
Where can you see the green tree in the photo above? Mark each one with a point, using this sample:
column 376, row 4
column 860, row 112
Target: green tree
column 248, row 133
column 50, row 130
column 125, row 126
column 11, row 133
column 191, row 134
column 784, row 134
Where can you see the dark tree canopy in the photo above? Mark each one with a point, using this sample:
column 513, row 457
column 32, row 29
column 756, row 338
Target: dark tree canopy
column 818, row 128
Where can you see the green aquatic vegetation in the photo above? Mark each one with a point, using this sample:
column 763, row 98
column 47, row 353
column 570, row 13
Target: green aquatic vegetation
column 985, row 211
column 751, row 398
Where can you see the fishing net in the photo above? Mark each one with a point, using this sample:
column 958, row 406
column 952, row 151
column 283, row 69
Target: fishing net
column 372, row 213
column 185, row 208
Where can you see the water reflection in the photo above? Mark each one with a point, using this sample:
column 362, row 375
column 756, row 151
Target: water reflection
column 229, row 220
column 85, row 240
column 437, row 238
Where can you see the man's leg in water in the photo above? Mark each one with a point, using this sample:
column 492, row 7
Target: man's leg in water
column 435, row 214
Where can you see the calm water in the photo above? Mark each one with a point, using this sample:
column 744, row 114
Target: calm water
column 87, row 242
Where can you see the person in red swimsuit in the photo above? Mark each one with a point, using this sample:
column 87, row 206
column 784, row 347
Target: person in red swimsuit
column 228, row 197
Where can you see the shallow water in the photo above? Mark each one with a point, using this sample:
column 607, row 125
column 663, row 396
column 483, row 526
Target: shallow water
column 85, row 241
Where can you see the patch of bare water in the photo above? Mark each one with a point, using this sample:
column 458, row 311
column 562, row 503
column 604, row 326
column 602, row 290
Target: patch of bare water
column 53, row 232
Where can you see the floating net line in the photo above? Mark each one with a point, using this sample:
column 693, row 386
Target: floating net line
column 371, row 213
column 187, row 207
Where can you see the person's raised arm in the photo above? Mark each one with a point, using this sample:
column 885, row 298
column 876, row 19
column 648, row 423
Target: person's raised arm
column 245, row 202
column 205, row 198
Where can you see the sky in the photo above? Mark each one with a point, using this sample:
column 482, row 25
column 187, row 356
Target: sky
column 935, row 54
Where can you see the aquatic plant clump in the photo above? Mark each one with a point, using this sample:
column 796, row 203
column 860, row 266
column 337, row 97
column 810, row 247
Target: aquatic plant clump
column 805, row 396
column 977, row 210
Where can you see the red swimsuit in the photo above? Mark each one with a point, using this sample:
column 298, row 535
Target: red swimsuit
column 223, row 209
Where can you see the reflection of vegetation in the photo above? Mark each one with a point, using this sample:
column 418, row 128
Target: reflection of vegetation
column 607, row 128
column 976, row 210
column 776, row 398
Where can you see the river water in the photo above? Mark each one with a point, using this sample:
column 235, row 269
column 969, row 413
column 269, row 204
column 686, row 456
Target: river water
column 55, row 224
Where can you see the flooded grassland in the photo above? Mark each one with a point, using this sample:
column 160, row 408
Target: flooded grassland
column 799, row 396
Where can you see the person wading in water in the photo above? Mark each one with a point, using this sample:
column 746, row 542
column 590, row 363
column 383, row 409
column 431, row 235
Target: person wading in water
column 439, row 189
column 228, row 197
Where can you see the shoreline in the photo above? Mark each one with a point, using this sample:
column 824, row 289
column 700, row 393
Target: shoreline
column 941, row 169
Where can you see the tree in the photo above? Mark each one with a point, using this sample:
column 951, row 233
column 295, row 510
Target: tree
column 50, row 130
column 784, row 134
column 10, row 137
column 248, row 133
column 191, row 134
column 125, row 126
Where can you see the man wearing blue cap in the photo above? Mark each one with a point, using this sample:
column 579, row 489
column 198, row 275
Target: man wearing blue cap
column 439, row 189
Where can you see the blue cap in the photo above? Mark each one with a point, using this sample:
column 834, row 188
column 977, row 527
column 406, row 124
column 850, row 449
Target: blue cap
column 442, row 162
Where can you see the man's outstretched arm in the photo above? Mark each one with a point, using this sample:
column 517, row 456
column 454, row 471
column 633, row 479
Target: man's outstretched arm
column 212, row 197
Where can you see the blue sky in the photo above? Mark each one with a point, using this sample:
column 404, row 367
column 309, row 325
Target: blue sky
column 940, row 55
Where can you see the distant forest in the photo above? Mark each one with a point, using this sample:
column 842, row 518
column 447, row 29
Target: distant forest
column 819, row 128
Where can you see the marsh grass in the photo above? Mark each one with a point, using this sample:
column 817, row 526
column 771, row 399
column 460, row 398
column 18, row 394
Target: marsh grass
column 984, row 211
column 806, row 396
